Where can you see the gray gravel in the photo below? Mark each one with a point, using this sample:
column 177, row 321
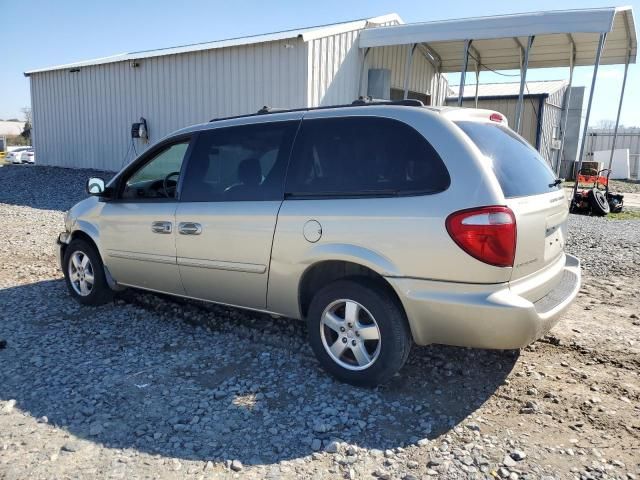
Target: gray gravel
column 605, row 247
column 156, row 387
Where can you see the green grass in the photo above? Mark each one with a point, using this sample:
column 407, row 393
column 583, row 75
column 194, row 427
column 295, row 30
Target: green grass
column 625, row 215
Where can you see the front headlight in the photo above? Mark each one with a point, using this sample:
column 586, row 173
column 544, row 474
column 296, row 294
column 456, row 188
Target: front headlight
column 67, row 221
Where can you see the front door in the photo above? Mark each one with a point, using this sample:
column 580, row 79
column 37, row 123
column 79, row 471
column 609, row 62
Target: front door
column 232, row 191
column 137, row 227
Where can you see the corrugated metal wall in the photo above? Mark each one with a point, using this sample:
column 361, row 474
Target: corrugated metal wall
column 335, row 64
column 551, row 123
column 395, row 58
column 83, row 119
column 333, row 69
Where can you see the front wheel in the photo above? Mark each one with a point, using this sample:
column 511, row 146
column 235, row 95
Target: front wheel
column 358, row 332
column 598, row 202
column 84, row 274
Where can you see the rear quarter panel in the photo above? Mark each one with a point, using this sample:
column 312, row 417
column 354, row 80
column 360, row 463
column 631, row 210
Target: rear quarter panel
column 395, row 236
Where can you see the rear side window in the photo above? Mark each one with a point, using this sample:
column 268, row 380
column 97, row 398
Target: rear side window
column 363, row 156
column 246, row 162
column 519, row 168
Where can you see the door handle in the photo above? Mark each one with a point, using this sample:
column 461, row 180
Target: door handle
column 189, row 228
column 161, row 227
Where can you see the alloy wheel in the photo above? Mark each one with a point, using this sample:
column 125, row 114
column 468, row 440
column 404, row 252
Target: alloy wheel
column 81, row 273
column 350, row 334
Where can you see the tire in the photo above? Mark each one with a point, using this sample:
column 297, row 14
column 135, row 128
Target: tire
column 96, row 293
column 376, row 308
column 598, row 202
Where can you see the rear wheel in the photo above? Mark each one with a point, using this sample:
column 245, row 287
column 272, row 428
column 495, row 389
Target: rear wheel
column 84, row 274
column 598, row 202
column 358, row 332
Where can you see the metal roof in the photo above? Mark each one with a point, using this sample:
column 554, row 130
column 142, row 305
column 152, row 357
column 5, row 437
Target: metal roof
column 306, row 34
column 510, row 89
column 10, row 128
column 497, row 40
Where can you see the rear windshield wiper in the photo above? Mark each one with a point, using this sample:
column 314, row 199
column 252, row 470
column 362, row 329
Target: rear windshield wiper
column 557, row 182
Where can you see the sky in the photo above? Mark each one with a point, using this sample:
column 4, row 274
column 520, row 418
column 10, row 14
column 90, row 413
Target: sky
column 40, row 33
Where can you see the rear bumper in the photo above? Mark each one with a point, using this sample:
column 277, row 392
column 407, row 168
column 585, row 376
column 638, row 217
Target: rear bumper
column 486, row 316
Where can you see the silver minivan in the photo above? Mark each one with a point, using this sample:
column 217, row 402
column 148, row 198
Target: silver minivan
column 381, row 225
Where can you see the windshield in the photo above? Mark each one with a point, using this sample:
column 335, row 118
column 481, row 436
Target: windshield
column 519, row 168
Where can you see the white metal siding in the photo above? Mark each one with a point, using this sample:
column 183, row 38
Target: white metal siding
column 422, row 77
column 333, row 69
column 602, row 139
column 83, row 119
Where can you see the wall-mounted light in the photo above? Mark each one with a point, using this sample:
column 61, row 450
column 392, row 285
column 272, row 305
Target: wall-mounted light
column 74, row 70
column 134, row 64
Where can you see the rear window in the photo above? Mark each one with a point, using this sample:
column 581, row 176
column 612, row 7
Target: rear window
column 360, row 156
column 519, row 168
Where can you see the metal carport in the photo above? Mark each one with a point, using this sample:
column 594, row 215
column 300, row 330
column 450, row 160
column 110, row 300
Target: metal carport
column 529, row 40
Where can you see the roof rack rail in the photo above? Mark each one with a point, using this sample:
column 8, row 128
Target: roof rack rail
column 268, row 109
column 368, row 100
column 360, row 102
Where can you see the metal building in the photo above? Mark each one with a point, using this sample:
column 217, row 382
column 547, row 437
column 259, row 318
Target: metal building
column 83, row 112
column 542, row 110
column 601, row 139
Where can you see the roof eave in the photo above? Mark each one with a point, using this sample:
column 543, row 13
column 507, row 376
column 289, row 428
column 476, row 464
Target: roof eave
column 305, row 34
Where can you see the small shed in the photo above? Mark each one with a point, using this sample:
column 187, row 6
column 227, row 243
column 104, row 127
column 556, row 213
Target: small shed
column 541, row 114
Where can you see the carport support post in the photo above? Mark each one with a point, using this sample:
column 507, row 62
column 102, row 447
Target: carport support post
column 615, row 131
column 477, row 81
column 437, row 89
column 463, row 74
column 362, row 67
column 583, row 141
column 407, row 68
column 567, row 104
column 523, row 81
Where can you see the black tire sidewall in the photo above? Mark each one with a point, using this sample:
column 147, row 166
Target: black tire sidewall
column 394, row 331
column 100, row 293
column 596, row 207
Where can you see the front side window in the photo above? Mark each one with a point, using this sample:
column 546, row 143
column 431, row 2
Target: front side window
column 157, row 178
column 246, row 162
column 363, row 156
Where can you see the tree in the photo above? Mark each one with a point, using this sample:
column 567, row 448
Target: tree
column 606, row 124
column 26, row 131
column 28, row 118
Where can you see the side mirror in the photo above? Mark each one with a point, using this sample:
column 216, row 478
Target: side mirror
column 95, row 186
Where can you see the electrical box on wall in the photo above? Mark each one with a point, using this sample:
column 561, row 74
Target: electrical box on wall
column 379, row 83
column 140, row 130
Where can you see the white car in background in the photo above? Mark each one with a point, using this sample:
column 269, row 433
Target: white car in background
column 28, row 156
column 16, row 155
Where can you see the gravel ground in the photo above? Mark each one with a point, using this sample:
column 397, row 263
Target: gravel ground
column 152, row 387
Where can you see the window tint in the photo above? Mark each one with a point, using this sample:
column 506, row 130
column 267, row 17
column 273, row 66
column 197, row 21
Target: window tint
column 519, row 168
column 362, row 156
column 239, row 163
column 158, row 177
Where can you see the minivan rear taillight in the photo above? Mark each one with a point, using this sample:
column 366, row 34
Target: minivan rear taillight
column 486, row 233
